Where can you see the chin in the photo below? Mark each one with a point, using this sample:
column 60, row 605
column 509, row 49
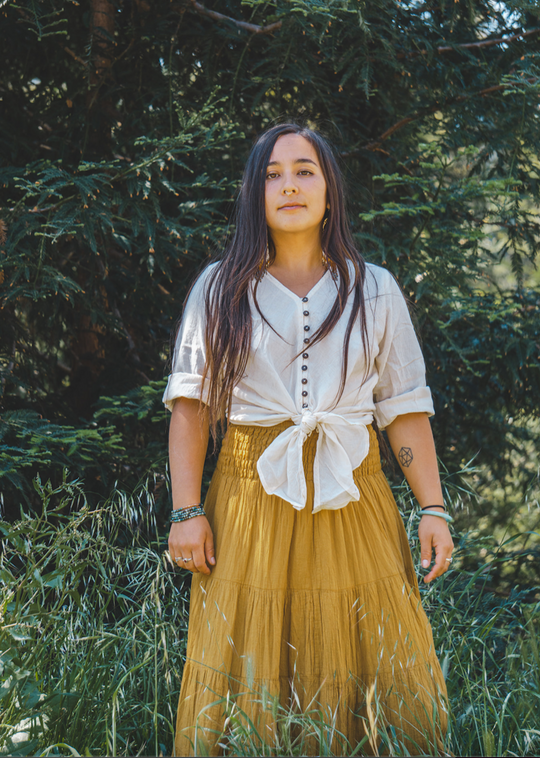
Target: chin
column 300, row 226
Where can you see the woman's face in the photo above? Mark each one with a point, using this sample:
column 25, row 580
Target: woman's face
column 295, row 186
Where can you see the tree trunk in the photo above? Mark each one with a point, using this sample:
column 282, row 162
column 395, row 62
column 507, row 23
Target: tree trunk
column 87, row 344
column 101, row 111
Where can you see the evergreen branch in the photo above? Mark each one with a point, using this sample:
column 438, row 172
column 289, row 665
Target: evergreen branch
column 427, row 217
column 375, row 145
column 25, row 16
column 85, row 64
column 76, row 57
column 252, row 28
column 472, row 45
column 489, row 42
column 120, row 175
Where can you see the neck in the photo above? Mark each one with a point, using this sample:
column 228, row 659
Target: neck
column 298, row 253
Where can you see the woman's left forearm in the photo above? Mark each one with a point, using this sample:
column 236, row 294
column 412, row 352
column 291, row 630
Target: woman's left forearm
column 412, row 443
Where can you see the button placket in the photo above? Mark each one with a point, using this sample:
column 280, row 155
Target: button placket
column 305, row 354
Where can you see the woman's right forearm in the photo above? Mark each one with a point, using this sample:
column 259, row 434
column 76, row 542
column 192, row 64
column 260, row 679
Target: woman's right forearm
column 191, row 542
column 188, row 441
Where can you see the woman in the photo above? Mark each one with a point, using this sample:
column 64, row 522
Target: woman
column 304, row 591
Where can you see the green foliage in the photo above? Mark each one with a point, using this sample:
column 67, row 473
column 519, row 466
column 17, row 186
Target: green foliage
column 87, row 626
column 28, row 442
column 93, row 635
column 123, row 140
column 480, row 344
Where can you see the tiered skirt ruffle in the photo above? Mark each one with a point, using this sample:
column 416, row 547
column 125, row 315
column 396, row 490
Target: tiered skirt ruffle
column 307, row 613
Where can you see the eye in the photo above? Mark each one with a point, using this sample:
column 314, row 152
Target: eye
column 306, row 171
column 271, row 175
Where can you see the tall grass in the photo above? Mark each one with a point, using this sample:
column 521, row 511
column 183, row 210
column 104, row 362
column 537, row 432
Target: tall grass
column 94, row 622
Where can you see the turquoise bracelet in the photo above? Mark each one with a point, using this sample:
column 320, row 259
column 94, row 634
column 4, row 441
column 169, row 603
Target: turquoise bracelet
column 445, row 516
column 183, row 514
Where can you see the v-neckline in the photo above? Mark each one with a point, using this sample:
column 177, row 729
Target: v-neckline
column 292, row 294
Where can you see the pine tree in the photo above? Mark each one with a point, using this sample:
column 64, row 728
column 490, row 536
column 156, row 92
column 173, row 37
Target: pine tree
column 125, row 126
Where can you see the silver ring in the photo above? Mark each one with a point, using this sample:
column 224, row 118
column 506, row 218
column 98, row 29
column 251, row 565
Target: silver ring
column 448, row 559
column 187, row 560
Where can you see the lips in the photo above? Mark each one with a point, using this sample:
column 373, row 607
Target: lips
column 291, row 205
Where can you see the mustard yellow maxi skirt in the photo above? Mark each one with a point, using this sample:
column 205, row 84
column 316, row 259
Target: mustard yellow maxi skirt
column 307, row 613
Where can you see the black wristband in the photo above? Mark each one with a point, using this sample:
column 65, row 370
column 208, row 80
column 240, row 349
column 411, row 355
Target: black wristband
column 427, row 507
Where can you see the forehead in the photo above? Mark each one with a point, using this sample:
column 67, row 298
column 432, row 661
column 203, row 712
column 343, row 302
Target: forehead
column 293, row 147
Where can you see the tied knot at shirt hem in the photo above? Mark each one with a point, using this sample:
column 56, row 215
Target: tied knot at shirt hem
column 307, row 421
column 281, row 468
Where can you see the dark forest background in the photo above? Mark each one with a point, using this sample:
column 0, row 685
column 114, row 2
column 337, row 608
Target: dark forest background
column 124, row 127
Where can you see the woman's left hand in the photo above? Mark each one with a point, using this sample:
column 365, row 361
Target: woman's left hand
column 434, row 534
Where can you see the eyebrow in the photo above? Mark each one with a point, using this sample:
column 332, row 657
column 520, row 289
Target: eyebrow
column 298, row 160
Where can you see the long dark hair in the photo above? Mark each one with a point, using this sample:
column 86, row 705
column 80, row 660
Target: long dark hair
column 228, row 315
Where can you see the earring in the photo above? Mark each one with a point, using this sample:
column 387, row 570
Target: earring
column 326, row 216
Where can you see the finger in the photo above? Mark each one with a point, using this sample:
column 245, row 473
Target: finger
column 209, row 550
column 447, row 563
column 179, row 561
column 176, row 559
column 199, row 561
column 439, row 567
column 441, row 564
column 425, row 552
column 448, row 557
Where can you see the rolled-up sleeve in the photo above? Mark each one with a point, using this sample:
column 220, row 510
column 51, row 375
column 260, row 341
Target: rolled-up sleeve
column 189, row 351
column 401, row 386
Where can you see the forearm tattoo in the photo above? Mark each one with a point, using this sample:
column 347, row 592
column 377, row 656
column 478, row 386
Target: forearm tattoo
column 405, row 457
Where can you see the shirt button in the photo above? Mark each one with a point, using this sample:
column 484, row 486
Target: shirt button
column 306, row 340
column 305, row 355
column 304, row 299
column 304, row 405
column 304, row 381
column 306, row 313
column 306, row 328
column 304, row 368
column 304, row 393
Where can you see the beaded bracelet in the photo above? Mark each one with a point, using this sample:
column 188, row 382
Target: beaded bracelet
column 183, row 514
column 445, row 516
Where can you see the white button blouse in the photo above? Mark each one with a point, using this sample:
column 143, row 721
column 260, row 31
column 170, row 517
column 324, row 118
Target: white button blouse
column 278, row 386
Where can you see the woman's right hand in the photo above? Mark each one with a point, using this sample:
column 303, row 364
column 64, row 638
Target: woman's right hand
column 193, row 539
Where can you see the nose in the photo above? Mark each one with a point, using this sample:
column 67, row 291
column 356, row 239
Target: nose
column 289, row 187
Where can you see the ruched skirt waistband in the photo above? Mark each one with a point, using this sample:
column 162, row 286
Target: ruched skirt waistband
column 243, row 446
